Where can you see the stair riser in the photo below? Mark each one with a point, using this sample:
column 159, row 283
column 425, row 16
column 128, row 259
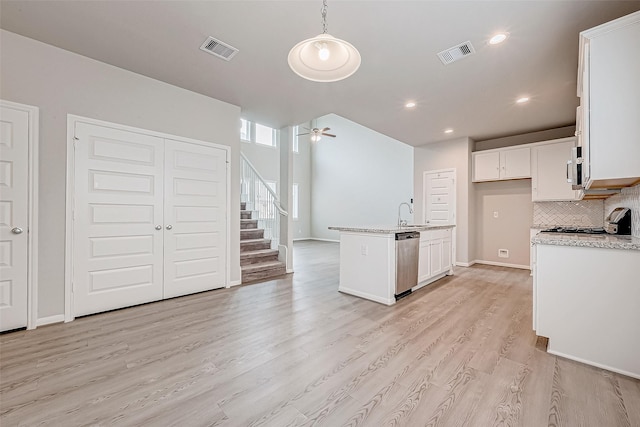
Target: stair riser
column 248, row 224
column 254, row 246
column 245, row 215
column 255, row 259
column 265, row 274
column 243, row 206
column 251, row 234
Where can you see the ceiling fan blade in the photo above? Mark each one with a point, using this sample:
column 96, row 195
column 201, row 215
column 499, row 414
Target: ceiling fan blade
column 300, row 134
column 325, row 129
column 328, row 134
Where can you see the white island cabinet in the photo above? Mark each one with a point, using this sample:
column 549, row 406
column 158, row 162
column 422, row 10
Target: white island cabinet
column 368, row 259
column 586, row 298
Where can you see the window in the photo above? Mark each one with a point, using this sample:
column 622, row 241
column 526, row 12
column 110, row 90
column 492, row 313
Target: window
column 260, row 134
column 265, row 135
column 295, row 139
column 295, row 201
column 245, row 130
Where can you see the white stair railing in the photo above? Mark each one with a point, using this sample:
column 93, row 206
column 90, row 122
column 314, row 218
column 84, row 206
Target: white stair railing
column 263, row 200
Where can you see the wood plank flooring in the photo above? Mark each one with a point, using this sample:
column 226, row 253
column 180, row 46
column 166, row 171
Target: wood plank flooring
column 296, row 352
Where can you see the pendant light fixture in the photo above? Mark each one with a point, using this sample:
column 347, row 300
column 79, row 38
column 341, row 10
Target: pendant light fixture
column 324, row 58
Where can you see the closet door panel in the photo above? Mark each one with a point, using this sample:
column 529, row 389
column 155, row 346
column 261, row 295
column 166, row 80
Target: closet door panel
column 118, row 203
column 195, row 218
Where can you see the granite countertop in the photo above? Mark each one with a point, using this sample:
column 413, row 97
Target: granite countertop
column 391, row 229
column 607, row 241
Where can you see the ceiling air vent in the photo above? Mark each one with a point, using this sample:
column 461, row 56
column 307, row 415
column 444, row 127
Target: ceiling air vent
column 217, row 48
column 457, row 52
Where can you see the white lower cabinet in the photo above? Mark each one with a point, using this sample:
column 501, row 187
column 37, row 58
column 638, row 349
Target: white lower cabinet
column 424, row 262
column 435, row 254
column 586, row 303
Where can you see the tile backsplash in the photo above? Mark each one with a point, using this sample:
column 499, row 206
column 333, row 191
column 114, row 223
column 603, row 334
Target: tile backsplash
column 583, row 213
column 628, row 198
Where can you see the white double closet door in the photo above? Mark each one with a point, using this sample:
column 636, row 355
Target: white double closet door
column 149, row 218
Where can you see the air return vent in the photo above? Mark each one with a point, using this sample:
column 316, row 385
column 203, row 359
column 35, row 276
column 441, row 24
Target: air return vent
column 217, row 48
column 457, row 52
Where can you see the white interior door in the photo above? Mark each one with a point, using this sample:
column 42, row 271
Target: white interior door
column 195, row 217
column 14, row 191
column 118, row 219
column 439, row 197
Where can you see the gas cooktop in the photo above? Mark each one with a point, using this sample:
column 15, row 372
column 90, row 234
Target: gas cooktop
column 581, row 230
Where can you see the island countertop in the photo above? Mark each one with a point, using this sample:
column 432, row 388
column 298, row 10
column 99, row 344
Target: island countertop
column 391, row 229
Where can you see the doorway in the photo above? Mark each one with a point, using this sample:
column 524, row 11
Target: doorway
column 439, row 200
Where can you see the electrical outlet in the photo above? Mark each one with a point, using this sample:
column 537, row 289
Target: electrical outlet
column 495, row 214
column 503, row 253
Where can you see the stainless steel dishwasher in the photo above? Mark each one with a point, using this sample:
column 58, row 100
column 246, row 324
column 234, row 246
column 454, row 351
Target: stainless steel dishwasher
column 407, row 251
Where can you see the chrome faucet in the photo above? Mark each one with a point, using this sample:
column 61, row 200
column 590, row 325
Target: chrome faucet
column 402, row 222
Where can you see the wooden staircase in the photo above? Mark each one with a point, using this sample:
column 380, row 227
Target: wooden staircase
column 257, row 260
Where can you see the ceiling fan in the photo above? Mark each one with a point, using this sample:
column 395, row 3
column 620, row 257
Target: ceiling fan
column 316, row 133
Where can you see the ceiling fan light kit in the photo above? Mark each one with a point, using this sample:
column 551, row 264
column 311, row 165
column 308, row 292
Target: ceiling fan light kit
column 324, row 58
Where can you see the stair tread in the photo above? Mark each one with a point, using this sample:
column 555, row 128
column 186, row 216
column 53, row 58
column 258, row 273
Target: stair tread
column 263, row 266
column 248, row 254
column 254, row 240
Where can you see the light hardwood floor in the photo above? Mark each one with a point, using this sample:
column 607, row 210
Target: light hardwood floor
column 297, row 352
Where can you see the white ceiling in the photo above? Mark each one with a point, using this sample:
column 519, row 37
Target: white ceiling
column 398, row 41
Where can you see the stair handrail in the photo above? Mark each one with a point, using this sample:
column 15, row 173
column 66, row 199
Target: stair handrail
column 276, row 200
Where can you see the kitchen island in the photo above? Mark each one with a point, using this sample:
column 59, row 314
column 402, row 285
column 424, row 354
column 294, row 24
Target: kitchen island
column 586, row 294
column 368, row 259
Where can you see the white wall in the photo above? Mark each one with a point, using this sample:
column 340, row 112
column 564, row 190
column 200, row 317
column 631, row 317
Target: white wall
column 265, row 159
column 302, row 176
column 446, row 155
column 510, row 230
column 358, row 178
column 60, row 83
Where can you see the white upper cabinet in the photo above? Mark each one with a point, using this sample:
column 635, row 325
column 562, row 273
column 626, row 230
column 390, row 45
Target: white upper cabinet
column 515, row 163
column 609, row 91
column 486, row 166
column 549, row 171
column 501, row 164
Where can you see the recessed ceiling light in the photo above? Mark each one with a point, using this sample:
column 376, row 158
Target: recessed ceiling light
column 448, row 131
column 522, row 100
column 498, row 38
column 410, row 104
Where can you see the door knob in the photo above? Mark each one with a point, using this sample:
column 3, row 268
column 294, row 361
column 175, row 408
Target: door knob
column 169, row 227
column 17, row 230
column 158, row 227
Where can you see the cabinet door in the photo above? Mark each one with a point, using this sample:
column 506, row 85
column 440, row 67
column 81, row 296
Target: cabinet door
column 486, row 166
column 549, row 179
column 446, row 255
column 435, row 255
column 424, row 270
column 515, row 163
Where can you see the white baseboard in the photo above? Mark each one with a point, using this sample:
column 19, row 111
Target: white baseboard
column 464, row 264
column 366, row 295
column 324, row 240
column 302, row 238
column 234, row 283
column 597, row 365
column 58, row 318
column 503, row 264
